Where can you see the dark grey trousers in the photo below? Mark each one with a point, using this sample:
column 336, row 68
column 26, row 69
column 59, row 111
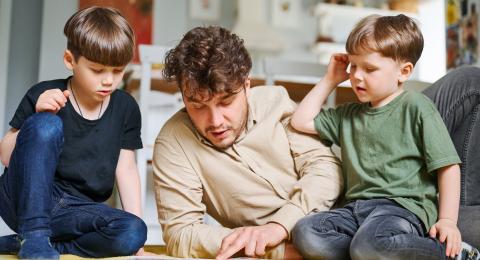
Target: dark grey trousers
column 457, row 97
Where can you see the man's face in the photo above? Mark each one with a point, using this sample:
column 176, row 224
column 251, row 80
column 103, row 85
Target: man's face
column 222, row 118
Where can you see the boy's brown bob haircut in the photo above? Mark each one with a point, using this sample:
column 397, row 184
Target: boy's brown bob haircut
column 397, row 37
column 101, row 35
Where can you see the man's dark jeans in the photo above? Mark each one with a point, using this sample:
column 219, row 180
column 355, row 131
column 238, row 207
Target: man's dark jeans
column 31, row 202
column 366, row 229
column 457, row 97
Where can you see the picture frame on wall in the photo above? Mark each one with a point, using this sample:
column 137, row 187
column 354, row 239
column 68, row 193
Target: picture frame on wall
column 139, row 14
column 206, row 10
column 462, row 32
column 286, row 13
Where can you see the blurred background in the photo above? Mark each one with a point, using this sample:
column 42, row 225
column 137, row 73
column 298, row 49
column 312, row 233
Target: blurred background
column 303, row 31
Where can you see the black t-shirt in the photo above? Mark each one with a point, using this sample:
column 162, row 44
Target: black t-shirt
column 91, row 148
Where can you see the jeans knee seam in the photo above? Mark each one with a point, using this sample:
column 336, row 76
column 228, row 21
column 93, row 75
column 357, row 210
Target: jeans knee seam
column 324, row 230
column 464, row 165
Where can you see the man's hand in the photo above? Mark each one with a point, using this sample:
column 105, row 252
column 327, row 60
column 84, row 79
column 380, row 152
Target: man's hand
column 446, row 230
column 253, row 239
column 52, row 100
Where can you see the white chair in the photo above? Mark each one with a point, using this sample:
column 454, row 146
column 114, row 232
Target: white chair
column 155, row 107
column 416, row 85
column 294, row 71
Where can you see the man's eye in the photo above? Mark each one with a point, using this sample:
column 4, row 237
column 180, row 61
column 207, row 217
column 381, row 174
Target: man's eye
column 226, row 102
column 197, row 106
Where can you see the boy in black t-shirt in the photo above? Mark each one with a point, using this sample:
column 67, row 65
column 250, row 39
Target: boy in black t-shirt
column 70, row 139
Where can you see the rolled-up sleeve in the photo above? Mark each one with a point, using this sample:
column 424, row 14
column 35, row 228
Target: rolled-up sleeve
column 179, row 192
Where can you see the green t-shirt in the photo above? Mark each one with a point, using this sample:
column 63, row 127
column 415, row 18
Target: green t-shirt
column 388, row 152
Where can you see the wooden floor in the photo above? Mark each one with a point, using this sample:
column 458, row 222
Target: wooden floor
column 160, row 250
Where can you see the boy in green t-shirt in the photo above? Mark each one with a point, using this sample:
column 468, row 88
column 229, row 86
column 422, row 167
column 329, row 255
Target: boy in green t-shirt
column 395, row 147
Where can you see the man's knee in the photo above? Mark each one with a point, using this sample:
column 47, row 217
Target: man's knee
column 131, row 236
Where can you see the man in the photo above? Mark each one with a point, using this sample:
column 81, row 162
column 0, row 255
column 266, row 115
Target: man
column 231, row 153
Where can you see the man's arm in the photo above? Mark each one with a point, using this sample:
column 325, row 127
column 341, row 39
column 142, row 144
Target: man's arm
column 317, row 189
column 179, row 193
column 320, row 180
column 7, row 145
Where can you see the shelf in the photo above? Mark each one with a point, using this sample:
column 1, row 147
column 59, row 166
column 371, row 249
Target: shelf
column 337, row 21
column 352, row 11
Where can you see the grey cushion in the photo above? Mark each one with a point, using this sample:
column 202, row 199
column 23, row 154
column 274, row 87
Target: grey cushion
column 469, row 224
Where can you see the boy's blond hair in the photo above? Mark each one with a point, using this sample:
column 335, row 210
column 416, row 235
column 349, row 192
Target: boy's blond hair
column 100, row 34
column 397, row 37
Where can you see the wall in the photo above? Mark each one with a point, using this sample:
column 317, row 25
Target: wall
column 172, row 21
column 23, row 55
column 53, row 44
column 5, row 17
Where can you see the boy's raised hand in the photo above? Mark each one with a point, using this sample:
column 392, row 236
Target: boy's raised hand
column 337, row 68
column 447, row 230
column 52, row 100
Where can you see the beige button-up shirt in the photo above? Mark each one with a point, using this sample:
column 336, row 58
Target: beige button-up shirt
column 270, row 174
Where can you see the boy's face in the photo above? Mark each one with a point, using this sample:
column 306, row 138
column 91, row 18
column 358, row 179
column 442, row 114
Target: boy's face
column 377, row 79
column 91, row 79
column 220, row 119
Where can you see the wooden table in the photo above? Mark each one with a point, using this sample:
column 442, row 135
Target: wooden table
column 296, row 89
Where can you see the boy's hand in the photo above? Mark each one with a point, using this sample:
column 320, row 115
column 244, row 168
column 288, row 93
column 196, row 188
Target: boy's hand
column 337, row 68
column 52, row 100
column 446, row 230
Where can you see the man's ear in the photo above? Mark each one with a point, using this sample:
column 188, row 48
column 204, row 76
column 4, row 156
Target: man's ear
column 247, row 86
column 406, row 70
column 69, row 59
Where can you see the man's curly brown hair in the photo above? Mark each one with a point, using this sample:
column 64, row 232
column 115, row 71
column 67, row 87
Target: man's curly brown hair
column 208, row 61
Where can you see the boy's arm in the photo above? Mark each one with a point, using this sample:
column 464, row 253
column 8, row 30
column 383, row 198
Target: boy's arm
column 449, row 192
column 51, row 100
column 303, row 118
column 449, row 199
column 128, row 182
column 7, row 145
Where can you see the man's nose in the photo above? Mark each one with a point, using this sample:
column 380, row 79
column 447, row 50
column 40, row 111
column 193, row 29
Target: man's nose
column 216, row 117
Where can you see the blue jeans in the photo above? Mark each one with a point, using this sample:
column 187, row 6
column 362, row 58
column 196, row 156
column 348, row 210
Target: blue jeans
column 31, row 202
column 457, row 97
column 365, row 229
